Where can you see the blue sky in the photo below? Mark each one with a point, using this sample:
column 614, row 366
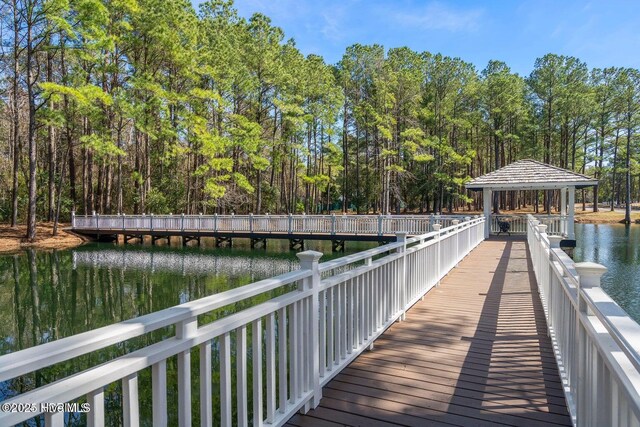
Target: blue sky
column 602, row 33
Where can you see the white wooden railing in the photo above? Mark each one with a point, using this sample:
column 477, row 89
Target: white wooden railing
column 556, row 224
column 597, row 345
column 330, row 314
column 290, row 224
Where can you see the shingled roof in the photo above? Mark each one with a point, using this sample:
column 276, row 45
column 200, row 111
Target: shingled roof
column 530, row 174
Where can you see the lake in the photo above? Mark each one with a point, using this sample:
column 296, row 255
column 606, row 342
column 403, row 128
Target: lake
column 617, row 247
column 46, row 296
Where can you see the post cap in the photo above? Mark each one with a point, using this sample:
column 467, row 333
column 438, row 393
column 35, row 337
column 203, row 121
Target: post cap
column 401, row 236
column 542, row 228
column 535, row 222
column 455, row 221
column 309, row 257
column 590, row 274
column 467, row 218
column 555, row 241
column 436, row 227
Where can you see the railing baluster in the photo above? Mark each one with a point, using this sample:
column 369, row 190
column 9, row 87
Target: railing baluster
column 95, row 417
column 282, row 360
column 206, row 413
column 159, row 393
column 256, row 363
column 270, row 355
column 54, row 419
column 131, row 415
column 226, row 411
column 241, row 376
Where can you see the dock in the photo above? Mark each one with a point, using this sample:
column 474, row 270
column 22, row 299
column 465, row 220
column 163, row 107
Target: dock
column 442, row 328
column 475, row 352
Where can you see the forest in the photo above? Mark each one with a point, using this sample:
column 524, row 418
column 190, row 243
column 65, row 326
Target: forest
column 152, row 106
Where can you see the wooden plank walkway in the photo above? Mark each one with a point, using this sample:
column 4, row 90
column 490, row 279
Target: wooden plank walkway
column 475, row 352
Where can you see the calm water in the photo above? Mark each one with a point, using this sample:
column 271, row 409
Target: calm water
column 46, row 296
column 617, row 247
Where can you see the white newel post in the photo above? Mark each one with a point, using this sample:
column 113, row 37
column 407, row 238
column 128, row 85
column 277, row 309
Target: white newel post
column 486, row 201
column 401, row 237
column 589, row 275
column 309, row 261
column 73, row 219
column 436, row 228
column 572, row 212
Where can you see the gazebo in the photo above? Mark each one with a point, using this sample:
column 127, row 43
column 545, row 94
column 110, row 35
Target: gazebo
column 532, row 175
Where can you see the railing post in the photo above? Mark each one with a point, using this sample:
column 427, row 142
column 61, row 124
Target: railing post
column 73, row 219
column 380, row 225
column 333, row 224
column 185, row 330
column 309, row 261
column 589, row 275
column 123, row 219
column 250, row 223
column 401, row 237
column 436, row 228
column 182, row 222
column 200, row 221
column 95, row 219
column 290, row 223
column 151, row 222
column 215, row 221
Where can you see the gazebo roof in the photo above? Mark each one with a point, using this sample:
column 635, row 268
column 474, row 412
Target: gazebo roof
column 530, row 174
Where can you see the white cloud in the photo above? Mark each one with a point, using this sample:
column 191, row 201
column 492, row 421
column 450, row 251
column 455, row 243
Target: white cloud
column 437, row 16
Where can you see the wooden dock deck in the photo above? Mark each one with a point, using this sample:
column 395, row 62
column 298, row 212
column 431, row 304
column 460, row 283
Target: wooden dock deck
column 475, row 352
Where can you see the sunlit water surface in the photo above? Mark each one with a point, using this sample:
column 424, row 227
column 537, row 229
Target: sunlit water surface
column 617, row 247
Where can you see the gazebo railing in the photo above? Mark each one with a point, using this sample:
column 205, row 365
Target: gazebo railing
column 517, row 224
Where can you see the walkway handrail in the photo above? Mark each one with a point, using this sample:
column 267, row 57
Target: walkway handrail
column 517, row 223
column 597, row 345
column 311, row 332
column 288, row 224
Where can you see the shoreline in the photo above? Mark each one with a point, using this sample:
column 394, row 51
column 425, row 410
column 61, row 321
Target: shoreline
column 12, row 239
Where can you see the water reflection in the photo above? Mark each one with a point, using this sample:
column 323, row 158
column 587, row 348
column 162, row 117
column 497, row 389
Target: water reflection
column 617, row 247
column 46, row 296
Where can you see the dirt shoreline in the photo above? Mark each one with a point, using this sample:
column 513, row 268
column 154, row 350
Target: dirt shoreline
column 12, row 239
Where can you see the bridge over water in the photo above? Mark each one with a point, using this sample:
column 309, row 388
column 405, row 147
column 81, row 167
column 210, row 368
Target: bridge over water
column 295, row 228
column 441, row 328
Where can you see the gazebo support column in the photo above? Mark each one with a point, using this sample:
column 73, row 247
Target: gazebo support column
column 571, row 218
column 486, row 200
column 563, row 211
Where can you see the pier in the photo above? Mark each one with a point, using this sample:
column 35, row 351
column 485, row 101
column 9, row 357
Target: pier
column 445, row 327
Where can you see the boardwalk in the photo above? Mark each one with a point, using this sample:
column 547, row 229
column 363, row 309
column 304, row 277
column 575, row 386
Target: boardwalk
column 474, row 353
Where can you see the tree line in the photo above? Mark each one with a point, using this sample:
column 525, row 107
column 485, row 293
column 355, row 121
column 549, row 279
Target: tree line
column 152, row 106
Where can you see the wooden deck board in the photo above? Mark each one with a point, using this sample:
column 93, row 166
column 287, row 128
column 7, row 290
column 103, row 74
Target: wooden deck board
column 475, row 352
